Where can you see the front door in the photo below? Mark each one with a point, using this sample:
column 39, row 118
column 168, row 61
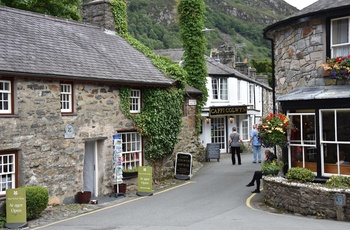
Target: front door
column 89, row 174
column 218, row 132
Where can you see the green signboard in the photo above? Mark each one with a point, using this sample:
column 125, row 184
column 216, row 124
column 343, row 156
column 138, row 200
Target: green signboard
column 16, row 207
column 144, row 185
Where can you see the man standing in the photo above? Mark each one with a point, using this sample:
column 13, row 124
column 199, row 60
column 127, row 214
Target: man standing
column 256, row 142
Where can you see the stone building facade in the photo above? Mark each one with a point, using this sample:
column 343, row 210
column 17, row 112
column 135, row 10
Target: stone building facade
column 317, row 104
column 59, row 110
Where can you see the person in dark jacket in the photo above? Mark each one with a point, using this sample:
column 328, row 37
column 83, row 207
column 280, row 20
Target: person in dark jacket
column 269, row 157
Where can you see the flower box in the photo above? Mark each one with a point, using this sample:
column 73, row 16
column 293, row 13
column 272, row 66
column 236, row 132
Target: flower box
column 337, row 68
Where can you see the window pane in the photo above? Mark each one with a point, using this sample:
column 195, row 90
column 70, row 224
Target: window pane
column 340, row 31
column 215, row 88
column 328, row 126
column 343, row 125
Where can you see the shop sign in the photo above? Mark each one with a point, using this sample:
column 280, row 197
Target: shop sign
column 228, row 110
column 16, row 209
column 144, row 186
column 183, row 166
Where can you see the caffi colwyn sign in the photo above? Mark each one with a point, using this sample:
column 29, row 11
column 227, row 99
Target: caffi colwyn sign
column 228, row 110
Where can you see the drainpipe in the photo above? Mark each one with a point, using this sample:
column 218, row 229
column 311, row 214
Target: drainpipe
column 273, row 73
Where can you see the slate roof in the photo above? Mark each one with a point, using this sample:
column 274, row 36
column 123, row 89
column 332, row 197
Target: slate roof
column 213, row 67
column 321, row 8
column 38, row 45
column 312, row 93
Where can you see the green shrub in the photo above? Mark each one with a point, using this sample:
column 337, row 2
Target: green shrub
column 338, row 182
column 270, row 166
column 300, row 174
column 2, row 221
column 37, row 198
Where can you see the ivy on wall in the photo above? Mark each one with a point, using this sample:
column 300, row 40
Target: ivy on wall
column 191, row 18
column 160, row 119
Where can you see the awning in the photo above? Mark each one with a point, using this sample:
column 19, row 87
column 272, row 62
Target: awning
column 317, row 93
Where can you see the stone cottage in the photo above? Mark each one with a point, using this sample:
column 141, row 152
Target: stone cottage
column 317, row 104
column 59, row 103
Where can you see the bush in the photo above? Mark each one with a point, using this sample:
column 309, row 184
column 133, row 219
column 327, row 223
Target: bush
column 37, row 198
column 300, row 174
column 338, row 182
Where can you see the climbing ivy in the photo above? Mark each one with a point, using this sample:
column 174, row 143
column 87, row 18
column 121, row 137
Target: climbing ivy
column 160, row 119
column 191, row 19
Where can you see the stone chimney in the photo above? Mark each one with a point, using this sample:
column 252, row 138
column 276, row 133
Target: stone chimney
column 99, row 13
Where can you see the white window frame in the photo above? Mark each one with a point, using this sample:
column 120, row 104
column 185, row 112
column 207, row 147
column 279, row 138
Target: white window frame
column 324, row 140
column 135, row 101
column 251, row 94
column 239, row 90
column 5, row 97
column 346, row 45
column 66, row 97
column 7, row 172
column 131, row 150
column 304, row 145
column 219, row 88
column 245, row 129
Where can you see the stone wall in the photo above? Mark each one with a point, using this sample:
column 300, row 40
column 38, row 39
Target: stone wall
column 300, row 53
column 305, row 199
column 37, row 131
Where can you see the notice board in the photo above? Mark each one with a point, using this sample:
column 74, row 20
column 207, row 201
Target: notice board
column 183, row 166
column 213, row 151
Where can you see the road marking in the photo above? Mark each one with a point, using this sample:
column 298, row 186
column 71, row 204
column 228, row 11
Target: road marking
column 247, row 202
column 112, row 206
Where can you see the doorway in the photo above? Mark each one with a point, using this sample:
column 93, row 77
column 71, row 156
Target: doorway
column 90, row 179
column 218, row 132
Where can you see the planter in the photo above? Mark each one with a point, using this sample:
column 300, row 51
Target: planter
column 271, row 172
column 122, row 188
column 83, row 197
column 129, row 175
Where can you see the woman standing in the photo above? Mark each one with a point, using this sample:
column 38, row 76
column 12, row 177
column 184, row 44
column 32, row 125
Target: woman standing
column 234, row 142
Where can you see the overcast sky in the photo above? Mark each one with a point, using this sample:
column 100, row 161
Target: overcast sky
column 300, row 4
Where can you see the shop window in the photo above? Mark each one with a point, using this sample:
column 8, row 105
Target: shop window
column 335, row 142
column 135, row 101
column 8, row 165
column 340, row 42
column 6, row 97
column 302, row 141
column 219, row 86
column 66, row 98
column 131, row 150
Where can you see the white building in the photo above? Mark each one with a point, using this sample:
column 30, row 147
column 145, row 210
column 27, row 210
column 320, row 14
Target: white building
column 234, row 100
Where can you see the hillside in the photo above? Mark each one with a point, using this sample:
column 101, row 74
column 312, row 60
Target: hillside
column 236, row 23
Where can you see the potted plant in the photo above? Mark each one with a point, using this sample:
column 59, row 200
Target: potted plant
column 338, row 67
column 271, row 168
column 130, row 173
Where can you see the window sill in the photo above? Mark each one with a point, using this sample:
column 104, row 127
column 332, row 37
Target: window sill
column 9, row 115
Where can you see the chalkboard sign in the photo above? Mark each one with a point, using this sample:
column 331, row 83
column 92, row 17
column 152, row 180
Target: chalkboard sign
column 213, row 151
column 183, row 166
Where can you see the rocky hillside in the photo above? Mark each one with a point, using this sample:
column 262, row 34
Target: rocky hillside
column 236, row 23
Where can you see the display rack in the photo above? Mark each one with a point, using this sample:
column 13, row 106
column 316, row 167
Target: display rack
column 117, row 164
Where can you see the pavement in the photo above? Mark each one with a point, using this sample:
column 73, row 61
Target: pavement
column 57, row 213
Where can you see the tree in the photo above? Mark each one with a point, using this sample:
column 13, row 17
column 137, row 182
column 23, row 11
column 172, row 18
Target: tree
column 191, row 18
column 69, row 9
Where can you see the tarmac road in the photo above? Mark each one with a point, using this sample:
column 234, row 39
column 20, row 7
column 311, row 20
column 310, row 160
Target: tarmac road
column 215, row 198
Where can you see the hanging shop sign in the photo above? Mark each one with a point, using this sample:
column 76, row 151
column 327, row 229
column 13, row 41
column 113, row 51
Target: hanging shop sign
column 228, row 110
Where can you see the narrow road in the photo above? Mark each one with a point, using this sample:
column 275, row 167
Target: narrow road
column 215, row 198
